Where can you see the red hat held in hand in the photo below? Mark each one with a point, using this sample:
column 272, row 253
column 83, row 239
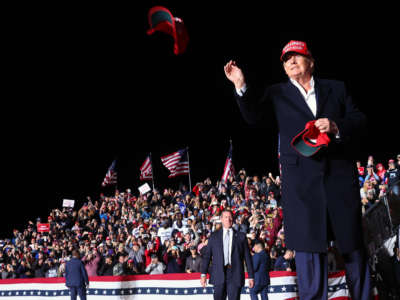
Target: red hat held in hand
column 310, row 140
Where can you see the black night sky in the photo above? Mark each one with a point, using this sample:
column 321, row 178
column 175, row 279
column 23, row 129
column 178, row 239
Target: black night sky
column 84, row 85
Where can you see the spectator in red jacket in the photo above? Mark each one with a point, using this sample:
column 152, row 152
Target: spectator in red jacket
column 152, row 248
column 381, row 171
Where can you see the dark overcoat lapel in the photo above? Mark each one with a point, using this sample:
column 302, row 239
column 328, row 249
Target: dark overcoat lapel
column 322, row 93
column 295, row 96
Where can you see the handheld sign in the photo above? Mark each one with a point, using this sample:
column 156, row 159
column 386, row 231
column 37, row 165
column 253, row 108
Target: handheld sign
column 43, row 227
column 143, row 189
column 68, row 203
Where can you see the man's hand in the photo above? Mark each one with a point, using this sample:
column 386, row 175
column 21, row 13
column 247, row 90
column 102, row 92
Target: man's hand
column 251, row 283
column 203, row 281
column 234, row 74
column 327, row 126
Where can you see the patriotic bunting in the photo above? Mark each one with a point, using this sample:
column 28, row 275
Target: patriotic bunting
column 283, row 286
column 169, row 286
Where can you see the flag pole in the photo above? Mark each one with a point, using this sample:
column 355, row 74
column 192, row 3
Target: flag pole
column 116, row 180
column 234, row 171
column 190, row 180
column 231, row 144
column 152, row 170
column 231, row 148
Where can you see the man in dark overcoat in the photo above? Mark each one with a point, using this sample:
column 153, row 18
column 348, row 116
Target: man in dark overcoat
column 320, row 193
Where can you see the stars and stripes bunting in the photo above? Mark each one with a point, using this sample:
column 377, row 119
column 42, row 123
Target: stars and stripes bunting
column 229, row 169
column 146, row 170
column 283, row 286
column 177, row 163
column 111, row 175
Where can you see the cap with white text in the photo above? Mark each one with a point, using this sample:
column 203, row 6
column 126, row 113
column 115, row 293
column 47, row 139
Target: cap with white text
column 297, row 47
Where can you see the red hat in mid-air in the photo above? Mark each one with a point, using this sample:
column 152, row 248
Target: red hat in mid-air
column 161, row 19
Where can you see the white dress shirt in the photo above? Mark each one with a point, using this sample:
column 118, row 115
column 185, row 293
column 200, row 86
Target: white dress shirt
column 309, row 97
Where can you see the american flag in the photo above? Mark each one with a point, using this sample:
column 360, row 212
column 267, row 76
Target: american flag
column 146, row 170
column 229, row 170
column 177, row 163
column 111, row 176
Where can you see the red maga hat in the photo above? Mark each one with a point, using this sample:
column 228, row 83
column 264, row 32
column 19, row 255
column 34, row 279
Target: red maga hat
column 304, row 144
column 161, row 19
column 297, row 47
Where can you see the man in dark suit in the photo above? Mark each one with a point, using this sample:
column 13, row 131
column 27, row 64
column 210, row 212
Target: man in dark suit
column 285, row 262
column 320, row 193
column 261, row 264
column 227, row 249
column 76, row 278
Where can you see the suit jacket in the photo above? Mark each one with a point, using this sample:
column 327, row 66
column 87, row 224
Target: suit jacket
column 75, row 273
column 321, row 185
column 261, row 265
column 281, row 264
column 214, row 252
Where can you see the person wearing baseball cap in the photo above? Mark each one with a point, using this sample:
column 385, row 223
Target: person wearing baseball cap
column 193, row 261
column 155, row 266
column 320, row 129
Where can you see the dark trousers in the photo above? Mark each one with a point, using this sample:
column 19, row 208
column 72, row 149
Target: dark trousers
column 78, row 290
column 227, row 288
column 259, row 289
column 312, row 275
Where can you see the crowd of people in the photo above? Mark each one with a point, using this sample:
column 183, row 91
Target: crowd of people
column 165, row 231
column 375, row 180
